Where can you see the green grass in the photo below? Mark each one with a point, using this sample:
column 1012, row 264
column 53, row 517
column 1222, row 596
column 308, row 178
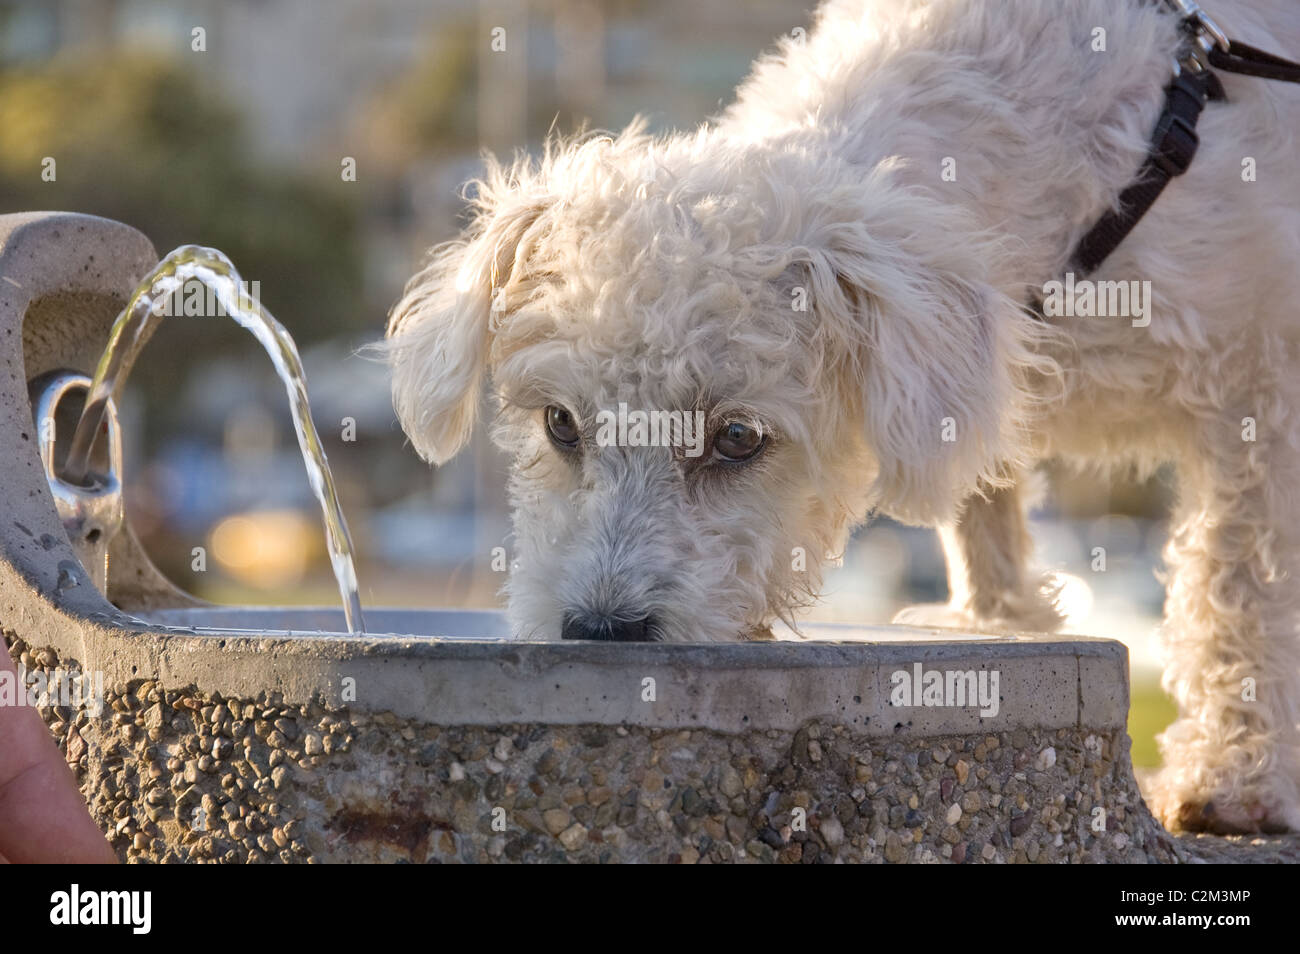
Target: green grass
column 1150, row 712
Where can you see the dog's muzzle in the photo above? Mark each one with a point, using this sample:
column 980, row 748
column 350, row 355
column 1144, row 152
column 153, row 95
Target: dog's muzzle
column 608, row 629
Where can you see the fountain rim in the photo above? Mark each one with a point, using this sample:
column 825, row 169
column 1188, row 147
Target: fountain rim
column 1047, row 682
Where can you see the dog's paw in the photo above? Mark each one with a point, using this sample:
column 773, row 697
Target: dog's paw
column 934, row 614
column 1228, row 813
column 1026, row 615
column 1222, row 817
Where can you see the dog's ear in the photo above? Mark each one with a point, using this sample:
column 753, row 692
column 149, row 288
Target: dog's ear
column 439, row 334
column 929, row 355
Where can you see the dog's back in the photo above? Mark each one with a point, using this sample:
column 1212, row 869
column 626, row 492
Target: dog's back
column 1034, row 115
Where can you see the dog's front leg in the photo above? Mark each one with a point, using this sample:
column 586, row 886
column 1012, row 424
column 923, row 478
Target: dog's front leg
column 987, row 551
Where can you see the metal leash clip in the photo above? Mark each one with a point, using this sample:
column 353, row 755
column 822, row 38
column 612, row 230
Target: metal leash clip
column 1204, row 33
column 91, row 512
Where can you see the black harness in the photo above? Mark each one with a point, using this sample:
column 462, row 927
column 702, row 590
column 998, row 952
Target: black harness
column 1174, row 142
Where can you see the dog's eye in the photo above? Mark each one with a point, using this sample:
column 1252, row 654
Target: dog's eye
column 735, row 442
column 561, row 426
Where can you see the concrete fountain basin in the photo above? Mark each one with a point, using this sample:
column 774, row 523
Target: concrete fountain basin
column 245, row 734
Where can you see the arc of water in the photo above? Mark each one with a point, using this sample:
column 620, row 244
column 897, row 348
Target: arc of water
column 131, row 329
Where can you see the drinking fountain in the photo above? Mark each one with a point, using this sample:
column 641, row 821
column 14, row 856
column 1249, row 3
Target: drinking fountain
column 239, row 734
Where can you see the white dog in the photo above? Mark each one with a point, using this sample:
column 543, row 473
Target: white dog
column 831, row 278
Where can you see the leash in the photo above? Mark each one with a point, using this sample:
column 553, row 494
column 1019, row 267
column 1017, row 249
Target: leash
column 1249, row 61
column 1174, row 143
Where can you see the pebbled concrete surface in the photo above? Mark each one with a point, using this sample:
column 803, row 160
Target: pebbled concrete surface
column 183, row 774
column 1242, row 849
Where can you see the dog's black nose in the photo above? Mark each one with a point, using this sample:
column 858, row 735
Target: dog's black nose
column 608, row 629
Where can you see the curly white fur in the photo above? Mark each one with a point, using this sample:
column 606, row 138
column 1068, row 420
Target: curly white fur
column 666, row 273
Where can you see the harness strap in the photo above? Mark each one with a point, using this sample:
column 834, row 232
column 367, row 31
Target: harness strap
column 1174, row 143
column 1172, row 148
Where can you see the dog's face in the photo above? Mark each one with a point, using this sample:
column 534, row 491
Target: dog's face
column 695, row 370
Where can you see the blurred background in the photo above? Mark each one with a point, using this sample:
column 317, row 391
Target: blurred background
column 231, row 123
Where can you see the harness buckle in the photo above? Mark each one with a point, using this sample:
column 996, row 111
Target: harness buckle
column 1175, row 142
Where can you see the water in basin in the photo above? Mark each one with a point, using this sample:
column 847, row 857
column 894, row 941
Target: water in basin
column 327, row 621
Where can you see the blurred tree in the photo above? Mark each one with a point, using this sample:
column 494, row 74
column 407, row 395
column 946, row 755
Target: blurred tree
column 430, row 108
column 137, row 139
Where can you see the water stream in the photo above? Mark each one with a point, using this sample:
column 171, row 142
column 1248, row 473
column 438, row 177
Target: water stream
column 144, row 311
